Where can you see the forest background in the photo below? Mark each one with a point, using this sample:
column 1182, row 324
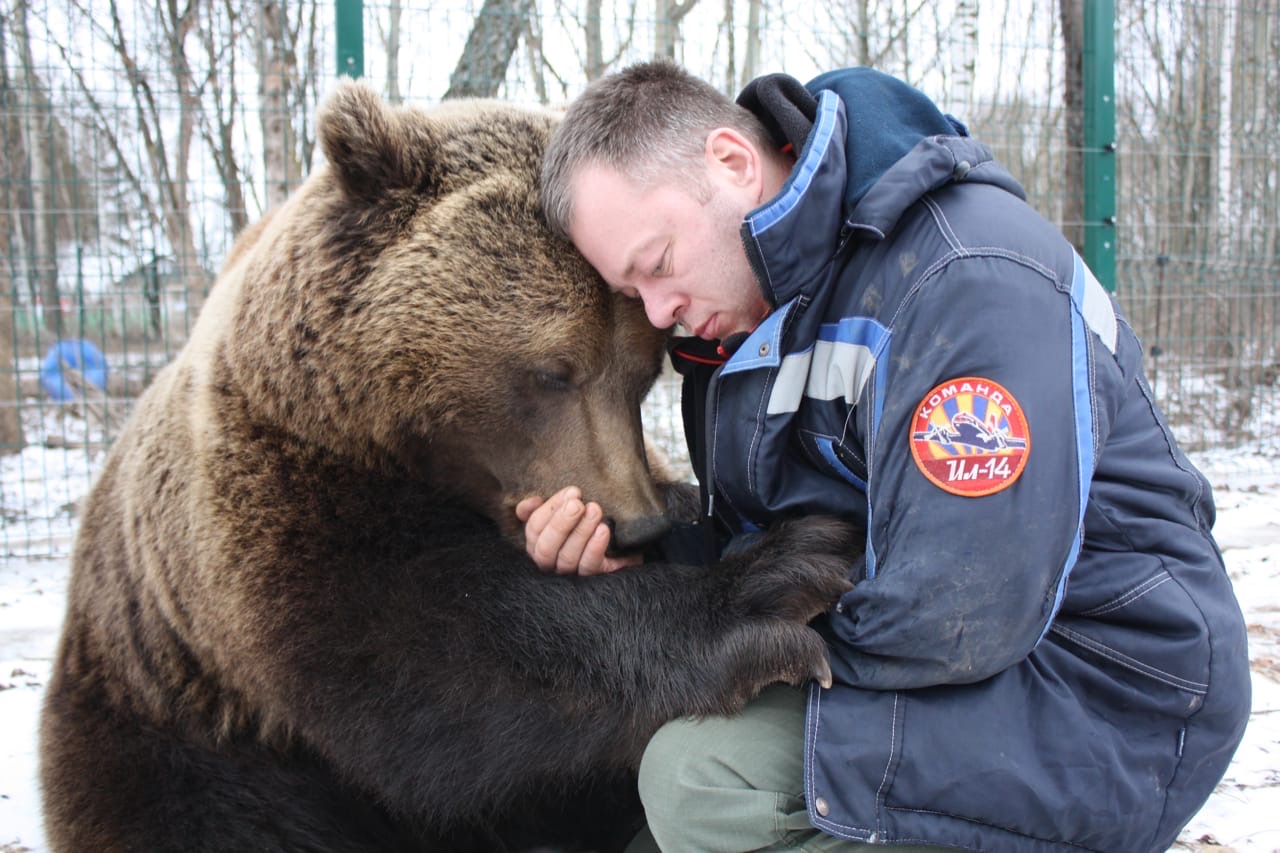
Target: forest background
column 140, row 137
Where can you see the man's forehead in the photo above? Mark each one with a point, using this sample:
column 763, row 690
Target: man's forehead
column 603, row 225
column 592, row 176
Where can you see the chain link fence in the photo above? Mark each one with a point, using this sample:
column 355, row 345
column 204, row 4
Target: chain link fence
column 139, row 139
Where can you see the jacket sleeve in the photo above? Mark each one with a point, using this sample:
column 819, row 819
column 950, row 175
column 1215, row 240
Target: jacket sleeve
column 961, row 584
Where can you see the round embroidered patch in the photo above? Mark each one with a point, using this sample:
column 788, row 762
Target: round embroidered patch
column 969, row 437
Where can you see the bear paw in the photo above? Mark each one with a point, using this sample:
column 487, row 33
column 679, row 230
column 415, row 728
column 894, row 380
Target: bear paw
column 798, row 570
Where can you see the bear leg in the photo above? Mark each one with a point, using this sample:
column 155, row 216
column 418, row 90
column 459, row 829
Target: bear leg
column 114, row 782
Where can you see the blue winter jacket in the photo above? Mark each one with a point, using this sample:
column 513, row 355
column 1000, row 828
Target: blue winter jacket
column 1042, row 650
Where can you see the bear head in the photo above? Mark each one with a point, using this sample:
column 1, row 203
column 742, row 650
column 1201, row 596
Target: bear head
column 408, row 307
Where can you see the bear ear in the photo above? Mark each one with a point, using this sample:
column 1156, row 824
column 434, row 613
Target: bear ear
column 375, row 149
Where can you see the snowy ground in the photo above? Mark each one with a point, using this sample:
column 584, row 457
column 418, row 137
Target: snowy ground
column 1243, row 814
column 1244, row 811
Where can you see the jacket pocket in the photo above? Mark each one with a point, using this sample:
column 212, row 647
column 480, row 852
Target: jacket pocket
column 827, row 452
column 1152, row 635
column 1051, row 749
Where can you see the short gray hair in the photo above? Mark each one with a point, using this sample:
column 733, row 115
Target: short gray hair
column 647, row 122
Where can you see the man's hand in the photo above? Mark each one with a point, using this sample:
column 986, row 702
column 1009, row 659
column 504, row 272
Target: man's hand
column 566, row 536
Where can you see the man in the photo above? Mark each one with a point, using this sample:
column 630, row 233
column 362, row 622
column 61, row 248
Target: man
column 1042, row 649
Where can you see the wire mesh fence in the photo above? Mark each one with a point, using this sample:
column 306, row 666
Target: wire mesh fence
column 140, row 138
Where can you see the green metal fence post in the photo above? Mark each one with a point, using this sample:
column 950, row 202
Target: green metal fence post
column 349, row 26
column 1100, row 140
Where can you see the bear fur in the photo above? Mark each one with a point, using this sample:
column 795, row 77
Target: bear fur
column 300, row 615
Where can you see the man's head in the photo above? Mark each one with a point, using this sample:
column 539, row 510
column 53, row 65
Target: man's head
column 650, row 174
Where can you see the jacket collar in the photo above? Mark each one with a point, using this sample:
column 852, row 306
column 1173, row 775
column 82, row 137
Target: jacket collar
column 791, row 237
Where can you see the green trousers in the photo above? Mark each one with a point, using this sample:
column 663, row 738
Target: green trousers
column 729, row 785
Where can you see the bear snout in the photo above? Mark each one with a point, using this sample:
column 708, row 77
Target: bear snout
column 633, row 534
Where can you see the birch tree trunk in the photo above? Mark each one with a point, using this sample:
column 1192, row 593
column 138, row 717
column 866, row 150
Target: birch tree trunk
column 731, row 49
column 667, row 15
column 37, row 142
column 494, row 36
column 593, row 41
column 391, row 50
column 11, row 437
column 276, row 79
column 751, row 53
column 964, row 55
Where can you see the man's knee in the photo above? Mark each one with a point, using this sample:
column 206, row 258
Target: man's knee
column 671, row 763
column 704, row 781
column 759, row 749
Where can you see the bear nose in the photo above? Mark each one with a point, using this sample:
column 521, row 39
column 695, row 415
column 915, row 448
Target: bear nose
column 635, row 533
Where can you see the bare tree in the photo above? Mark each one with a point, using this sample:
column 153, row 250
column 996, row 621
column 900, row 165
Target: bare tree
column 156, row 97
column 221, row 34
column 963, row 53
column 277, row 75
column 1255, row 172
column 532, row 36
column 11, row 437
column 591, row 28
column 1194, row 112
column 878, row 33
column 1174, row 95
column 751, row 54
column 310, row 79
column 52, row 200
column 494, row 36
column 591, row 23
column 390, row 38
column 36, row 124
column 1071, row 18
column 667, row 15
column 729, row 27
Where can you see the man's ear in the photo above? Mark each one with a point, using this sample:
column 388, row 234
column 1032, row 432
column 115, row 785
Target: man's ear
column 732, row 157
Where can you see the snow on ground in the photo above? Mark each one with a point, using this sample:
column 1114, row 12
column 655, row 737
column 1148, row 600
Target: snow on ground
column 1242, row 815
column 1244, row 811
column 31, row 603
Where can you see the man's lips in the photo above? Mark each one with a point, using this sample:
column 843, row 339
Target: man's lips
column 706, row 331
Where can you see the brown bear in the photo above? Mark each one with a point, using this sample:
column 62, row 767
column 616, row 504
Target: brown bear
column 300, row 614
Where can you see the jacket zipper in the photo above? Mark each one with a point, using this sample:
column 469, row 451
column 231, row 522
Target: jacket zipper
column 710, row 541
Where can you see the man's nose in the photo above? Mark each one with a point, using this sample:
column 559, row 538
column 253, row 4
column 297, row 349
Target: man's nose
column 661, row 309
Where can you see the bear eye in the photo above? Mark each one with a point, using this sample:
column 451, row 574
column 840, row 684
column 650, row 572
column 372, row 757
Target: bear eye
column 553, row 379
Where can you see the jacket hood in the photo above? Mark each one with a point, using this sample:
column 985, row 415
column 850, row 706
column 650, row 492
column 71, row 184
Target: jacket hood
column 885, row 118
column 868, row 146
